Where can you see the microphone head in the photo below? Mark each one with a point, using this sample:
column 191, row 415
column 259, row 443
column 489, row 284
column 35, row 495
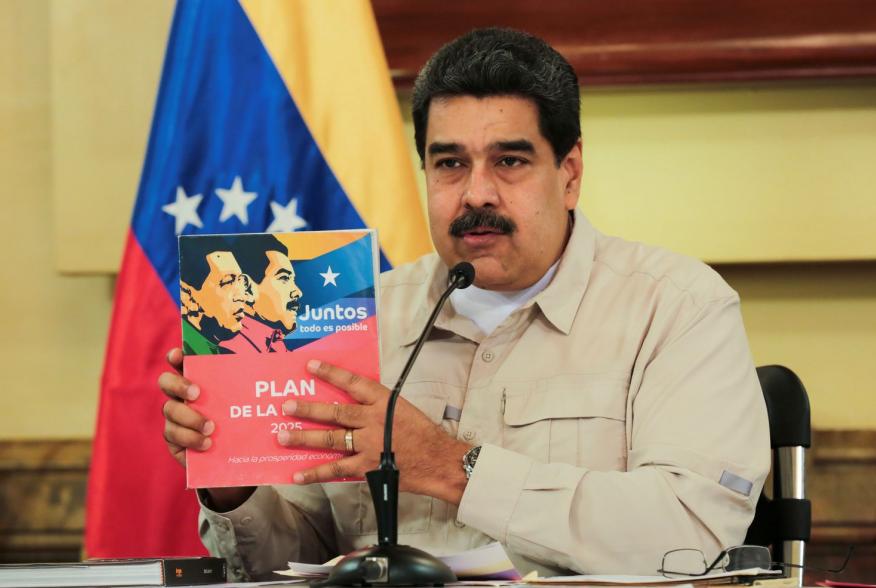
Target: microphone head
column 463, row 274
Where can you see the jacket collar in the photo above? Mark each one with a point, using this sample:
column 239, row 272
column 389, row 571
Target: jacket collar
column 558, row 302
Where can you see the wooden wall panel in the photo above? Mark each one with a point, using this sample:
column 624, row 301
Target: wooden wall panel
column 649, row 41
column 42, row 499
column 842, row 472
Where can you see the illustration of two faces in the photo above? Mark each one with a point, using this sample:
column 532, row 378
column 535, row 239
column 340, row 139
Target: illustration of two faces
column 237, row 294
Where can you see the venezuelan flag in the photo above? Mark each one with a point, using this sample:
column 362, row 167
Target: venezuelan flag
column 272, row 115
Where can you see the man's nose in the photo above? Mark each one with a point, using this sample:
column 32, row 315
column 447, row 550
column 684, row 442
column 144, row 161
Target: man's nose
column 240, row 293
column 481, row 189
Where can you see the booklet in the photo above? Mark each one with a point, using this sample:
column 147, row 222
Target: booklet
column 255, row 308
column 116, row 572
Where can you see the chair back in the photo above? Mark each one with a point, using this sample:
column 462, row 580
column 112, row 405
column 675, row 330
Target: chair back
column 784, row 521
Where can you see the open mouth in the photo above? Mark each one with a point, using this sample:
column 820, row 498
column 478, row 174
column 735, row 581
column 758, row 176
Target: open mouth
column 293, row 305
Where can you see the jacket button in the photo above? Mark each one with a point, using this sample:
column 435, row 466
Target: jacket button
column 468, row 435
column 487, row 356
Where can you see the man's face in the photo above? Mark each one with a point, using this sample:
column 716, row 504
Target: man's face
column 277, row 301
column 222, row 296
column 487, row 155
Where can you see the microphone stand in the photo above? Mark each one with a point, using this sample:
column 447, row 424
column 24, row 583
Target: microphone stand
column 388, row 563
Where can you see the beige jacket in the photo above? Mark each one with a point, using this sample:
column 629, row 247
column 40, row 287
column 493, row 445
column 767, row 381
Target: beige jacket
column 619, row 412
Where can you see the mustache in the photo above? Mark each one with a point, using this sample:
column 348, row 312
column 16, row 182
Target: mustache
column 484, row 218
column 293, row 305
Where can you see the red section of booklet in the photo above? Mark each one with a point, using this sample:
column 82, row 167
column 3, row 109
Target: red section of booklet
column 244, row 394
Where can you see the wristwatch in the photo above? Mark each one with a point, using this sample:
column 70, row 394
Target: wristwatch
column 469, row 460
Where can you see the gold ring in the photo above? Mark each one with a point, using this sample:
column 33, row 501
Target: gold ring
column 348, row 441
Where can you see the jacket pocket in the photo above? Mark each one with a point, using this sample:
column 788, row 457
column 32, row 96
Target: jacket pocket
column 569, row 418
column 351, row 502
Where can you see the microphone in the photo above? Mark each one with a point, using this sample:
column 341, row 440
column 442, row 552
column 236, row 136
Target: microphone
column 387, row 563
column 463, row 273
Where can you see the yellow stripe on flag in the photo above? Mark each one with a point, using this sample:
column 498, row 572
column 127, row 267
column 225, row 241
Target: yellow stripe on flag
column 330, row 57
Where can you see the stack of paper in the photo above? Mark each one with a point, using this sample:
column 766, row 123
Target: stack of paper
column 488, row 563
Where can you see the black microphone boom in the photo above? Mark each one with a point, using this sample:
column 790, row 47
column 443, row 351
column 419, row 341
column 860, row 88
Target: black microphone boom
column 461, row 276
column 387, row 563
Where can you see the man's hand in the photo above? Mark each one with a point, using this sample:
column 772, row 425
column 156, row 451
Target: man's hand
column 186, row 428
column 429, row 460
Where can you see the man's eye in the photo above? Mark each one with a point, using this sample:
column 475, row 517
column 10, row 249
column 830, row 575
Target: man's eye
column 226, row 281
column 511, row 161
column 448, row 163
column 283, row 279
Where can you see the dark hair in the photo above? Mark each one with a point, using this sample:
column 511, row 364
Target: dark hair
column 251, row 253
column 497, row 62
column 193, row 252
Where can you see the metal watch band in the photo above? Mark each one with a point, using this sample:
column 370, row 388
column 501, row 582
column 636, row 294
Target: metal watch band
column 469, row 460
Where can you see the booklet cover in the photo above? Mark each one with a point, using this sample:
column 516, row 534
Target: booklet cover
column 255, row 308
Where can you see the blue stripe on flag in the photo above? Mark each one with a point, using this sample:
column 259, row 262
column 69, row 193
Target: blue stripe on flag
column 223, row 112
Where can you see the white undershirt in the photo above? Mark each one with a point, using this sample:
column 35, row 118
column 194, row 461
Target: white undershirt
column 489, row 308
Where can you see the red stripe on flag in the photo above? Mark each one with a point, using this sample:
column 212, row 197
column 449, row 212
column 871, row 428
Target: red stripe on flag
column 137, row 504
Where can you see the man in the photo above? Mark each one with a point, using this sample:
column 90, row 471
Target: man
column 273, row 314
column 591, row 403
column 212, row 295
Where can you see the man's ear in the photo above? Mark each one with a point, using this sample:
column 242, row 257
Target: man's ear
column 189, row 307
column 573, row 166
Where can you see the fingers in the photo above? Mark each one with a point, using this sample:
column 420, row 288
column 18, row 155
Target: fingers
column 360, row 388
column 326, row 439
column 185, row 428
column 177, row 387
column 179, row 438
column 181, row 414
column 348, row 467
column 178, row 453
column 175, row 359
column 346, row 415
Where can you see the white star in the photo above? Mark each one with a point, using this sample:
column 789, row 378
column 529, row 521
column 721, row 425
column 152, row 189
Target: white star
column 184, row 210
column 286, row 218
column 235, row 201
column 329, row 277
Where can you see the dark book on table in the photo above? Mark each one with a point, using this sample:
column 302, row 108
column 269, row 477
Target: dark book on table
column 182, row 571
